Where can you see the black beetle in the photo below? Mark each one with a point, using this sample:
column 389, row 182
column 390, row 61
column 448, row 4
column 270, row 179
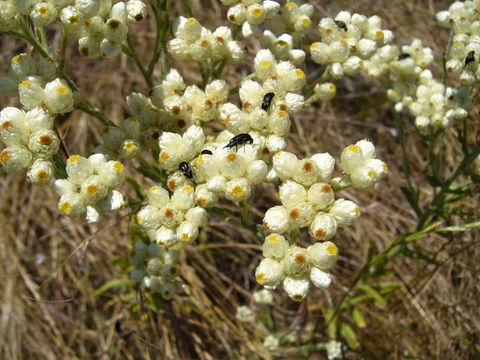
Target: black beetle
column 239, row 140
column 341, row 25
column 206, row 152
column 267, row 101
column 470, row 57
column 404, row 56
column 187, row 171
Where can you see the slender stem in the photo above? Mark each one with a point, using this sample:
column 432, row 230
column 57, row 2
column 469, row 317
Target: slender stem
column 324, row 77
column 130, row 52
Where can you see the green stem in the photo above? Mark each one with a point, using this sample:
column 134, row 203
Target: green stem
column 131, row 53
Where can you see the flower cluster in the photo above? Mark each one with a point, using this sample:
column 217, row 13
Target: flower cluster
column 193, row 41
column 413, row 86
column 155, row 269
column 31, row 142
column 29, row 81
column 204, row 144
column 267, row 108
column 308, row 200
column 346, row 41
column 294, row 267
column 282, row 47
column 464, row 53
column 186, row 105
column 89, row 188
column 171, row 220
column 231, row 172
column 294, row 18
column 250, row 13
column 83, row 19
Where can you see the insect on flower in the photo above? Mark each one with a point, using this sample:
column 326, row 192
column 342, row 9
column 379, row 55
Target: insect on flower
column 267, row 101
column 341, row 25
column 206, row 152
column 187, row 171
column 470, row 57
column 404, row 56
column 239, row 140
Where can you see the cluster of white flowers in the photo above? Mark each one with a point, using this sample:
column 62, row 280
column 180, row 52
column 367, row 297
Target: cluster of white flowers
column 23, row 67
column 414, row 88
column 282, row 47
column 193, row 41
column 155, row 269
column 267, row 108
column 308, row 200
column 29, row 80
column 435, row 104
column 89, row 188
column 250, row 13
column 463, row 19
column 199, row 164
column 294, row 267
column 171, row 220
column 30, row 143
column 293, row 18
column 83, row 19
column 347, row 41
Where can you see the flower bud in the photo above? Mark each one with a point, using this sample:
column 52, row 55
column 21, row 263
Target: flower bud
column 323, row 254
column 323, row 226
column 269, row 272
column 275, row 246
column 296, row 289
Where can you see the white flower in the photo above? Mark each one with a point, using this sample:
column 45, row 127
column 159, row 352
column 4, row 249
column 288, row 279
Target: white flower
column 269, row 272
column 176, row 148
column 58, row 97
column 323, row 226
column 263, row 296
column 358, row 162
column 344, row 211
column 245, row 314
column 295, row 288
column 323, row 255
column 43, row 14
column 275, row 246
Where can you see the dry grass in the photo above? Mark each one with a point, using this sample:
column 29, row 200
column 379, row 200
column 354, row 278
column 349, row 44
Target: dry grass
column 50, row 266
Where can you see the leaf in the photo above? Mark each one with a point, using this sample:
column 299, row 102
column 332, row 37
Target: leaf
column 358, row 318
column 349, row 335
column 332, row 323
column 112, row 284
column 464, row 227
column 374, row 294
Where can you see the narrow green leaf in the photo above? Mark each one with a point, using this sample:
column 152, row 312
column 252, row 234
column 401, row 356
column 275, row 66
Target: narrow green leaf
column 358, row 318
column 464, row 227
column 349, row 335
column 112, row 284
column 374, row 294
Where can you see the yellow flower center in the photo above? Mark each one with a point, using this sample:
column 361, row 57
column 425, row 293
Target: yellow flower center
column 92, row 189
column 118, row 166
column 73, row 159
column 66, row 207
column 62, row 90
column 332, row 249
column 237, row 191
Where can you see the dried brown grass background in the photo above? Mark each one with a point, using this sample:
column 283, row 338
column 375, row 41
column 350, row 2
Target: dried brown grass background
column 51, row 265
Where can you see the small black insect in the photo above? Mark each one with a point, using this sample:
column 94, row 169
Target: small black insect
column 187, row 171
column 341, row 25
column 470, row 57
column 267, row 101
column 404, row 56
column 239, row 140
column 206, row 152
